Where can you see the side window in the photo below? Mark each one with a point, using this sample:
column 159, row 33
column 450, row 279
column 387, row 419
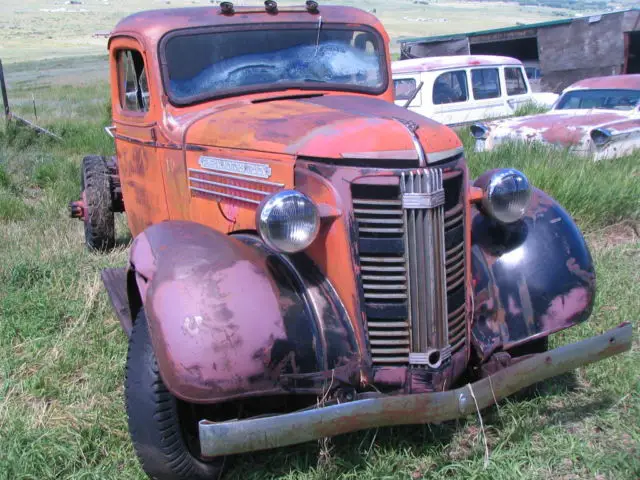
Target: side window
column 134, row 89
column 404, row 88
column 486, row 83
column 515, row 81
column 451, row 87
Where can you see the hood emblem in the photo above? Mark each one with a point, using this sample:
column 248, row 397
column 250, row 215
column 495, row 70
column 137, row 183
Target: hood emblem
column 250, row 169
column 410, row 124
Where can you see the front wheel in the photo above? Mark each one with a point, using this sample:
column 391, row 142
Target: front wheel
column 157, row 427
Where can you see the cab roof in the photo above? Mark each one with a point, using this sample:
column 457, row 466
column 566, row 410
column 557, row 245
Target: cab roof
column 628, row 82
column 428, row 64
column 151, row 25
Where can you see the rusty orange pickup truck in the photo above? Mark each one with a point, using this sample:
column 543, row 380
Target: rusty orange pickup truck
column 298, row 236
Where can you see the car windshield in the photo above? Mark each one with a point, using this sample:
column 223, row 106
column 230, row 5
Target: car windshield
column 199, row 66
column 601, row 99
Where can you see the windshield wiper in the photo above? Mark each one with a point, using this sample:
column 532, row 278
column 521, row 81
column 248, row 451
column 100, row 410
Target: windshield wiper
column 288, row 97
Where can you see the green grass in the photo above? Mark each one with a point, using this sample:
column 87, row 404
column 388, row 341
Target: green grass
column 597, row 194
column 530, row 108
column 62, row 352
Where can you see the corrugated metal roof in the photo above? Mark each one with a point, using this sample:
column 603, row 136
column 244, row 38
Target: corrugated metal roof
column 515, row 28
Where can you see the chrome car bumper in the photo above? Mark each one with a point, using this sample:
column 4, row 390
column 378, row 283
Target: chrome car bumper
column 249, row 435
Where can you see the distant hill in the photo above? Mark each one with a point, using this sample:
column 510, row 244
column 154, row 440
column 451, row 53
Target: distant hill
column 577, row 5
column 40, row 29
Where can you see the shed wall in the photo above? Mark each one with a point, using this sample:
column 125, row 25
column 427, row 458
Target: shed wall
column 581, row 49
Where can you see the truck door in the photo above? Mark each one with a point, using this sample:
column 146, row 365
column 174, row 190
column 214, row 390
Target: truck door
column 133, row 130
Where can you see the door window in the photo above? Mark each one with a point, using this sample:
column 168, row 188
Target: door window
column 486, row 83
column 134, row 89
column 515, row 81
column 404, row 88
column 450, row 87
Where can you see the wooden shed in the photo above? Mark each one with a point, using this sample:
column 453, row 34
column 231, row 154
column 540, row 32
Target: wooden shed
column 566, row 50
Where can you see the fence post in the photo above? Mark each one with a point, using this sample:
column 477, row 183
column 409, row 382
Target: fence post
column 3, row 91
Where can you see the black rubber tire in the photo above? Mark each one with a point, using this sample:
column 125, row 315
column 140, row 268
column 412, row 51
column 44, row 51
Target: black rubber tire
column 99, row 222
column 154, row 421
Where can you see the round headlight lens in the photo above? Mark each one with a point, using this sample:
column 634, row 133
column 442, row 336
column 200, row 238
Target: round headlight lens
column 600, row 136
column 479, row 131
column 288, row 221
column 507, row 194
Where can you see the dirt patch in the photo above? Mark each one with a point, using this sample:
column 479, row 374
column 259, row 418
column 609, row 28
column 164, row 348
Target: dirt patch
column 619, row 234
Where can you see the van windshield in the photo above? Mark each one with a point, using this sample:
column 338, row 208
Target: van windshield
column 204, row 65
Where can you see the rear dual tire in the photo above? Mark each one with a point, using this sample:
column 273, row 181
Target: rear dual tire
column 99, row 220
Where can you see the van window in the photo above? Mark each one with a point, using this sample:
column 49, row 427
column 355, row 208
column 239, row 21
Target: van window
column 404, row 88
column 450, row 87
column 486, row 83
column 515, row 81
column 134, row 90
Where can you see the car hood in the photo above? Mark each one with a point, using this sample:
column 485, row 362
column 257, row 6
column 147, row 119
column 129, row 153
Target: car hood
column 327, row 126
column 567, row 128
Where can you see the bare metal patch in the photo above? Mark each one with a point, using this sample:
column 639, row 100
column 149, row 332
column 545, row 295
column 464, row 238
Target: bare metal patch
column 192, row 325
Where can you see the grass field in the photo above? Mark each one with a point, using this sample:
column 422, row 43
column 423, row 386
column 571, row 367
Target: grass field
column 62, row 352
column 42, row 29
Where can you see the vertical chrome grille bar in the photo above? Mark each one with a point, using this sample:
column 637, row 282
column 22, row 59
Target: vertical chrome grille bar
column 441, row 284
column 423, row 204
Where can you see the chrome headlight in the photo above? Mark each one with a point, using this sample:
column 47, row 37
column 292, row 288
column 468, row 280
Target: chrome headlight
column 600, row 136
column 479, row 131
column 507, row 194
column 288, row 221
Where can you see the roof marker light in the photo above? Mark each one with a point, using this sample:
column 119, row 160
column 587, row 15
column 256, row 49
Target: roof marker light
column 271, row 6
column 227, row 8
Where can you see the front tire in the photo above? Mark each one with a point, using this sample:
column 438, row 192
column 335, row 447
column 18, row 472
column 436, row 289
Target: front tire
column 155, row 424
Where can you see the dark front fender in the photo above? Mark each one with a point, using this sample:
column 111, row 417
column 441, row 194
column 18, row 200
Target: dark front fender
column 530, row 279
column 228, row 318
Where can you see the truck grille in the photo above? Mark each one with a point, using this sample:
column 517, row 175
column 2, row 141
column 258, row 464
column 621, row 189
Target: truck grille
column 407, row 290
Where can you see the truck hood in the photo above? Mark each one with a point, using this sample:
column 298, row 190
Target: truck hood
column 565, row 128
column 327, row 126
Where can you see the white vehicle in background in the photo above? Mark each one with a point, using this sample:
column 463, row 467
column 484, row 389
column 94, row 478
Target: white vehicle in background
column 462, row 89
column 598, row 118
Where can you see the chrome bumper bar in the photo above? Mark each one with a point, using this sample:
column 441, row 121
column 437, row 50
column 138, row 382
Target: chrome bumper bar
column 249, row 435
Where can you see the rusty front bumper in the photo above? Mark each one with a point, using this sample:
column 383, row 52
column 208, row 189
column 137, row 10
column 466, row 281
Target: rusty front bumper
column 249, row 435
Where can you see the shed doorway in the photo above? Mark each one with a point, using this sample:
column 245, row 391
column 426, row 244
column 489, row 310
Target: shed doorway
column 632, row 44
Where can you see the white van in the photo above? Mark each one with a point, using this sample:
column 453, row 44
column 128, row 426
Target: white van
column 461, row 89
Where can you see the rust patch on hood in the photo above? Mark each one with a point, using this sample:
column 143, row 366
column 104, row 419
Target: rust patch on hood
column 329, row 126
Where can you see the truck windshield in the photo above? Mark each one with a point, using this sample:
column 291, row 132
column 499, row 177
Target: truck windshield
column 609, row 99
column 200, row 66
